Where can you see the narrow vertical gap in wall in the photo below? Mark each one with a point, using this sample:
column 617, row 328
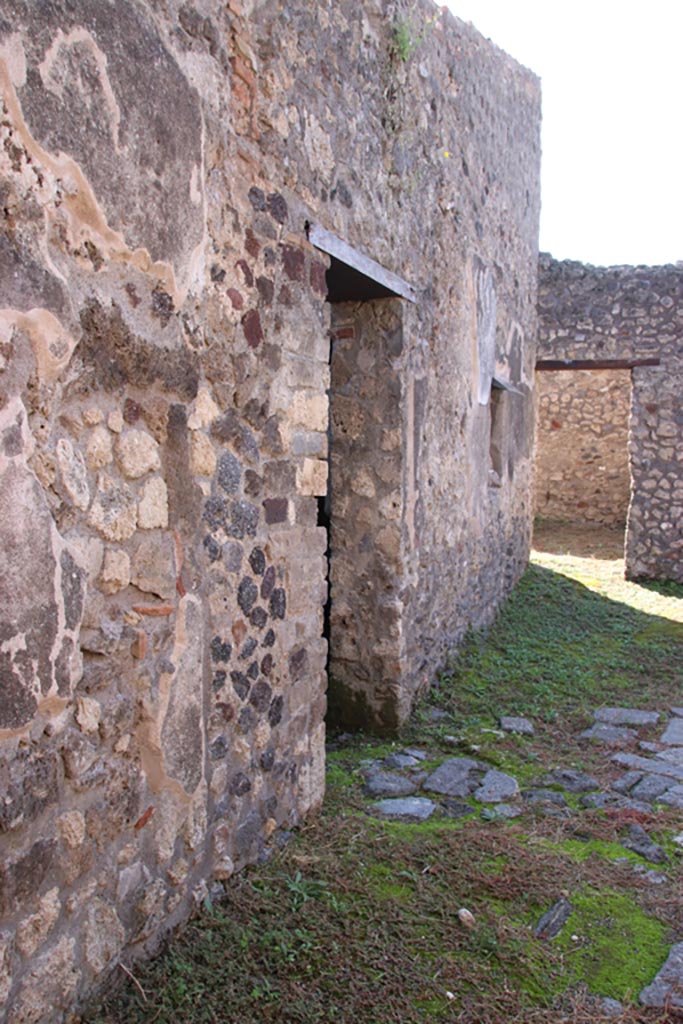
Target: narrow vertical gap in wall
column 497, row 439
column 325, row 514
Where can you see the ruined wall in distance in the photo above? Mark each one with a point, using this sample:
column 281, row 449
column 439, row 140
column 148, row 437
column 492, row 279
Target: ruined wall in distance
column 630, row 313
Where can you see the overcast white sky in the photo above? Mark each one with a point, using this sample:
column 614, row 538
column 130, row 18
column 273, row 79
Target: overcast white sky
column 612, row 77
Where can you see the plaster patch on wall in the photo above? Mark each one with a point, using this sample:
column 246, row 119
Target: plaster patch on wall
column 13, row 55
column 51, row 343
column 172, row 735
column 74, row 195
column 41, row 587
column 318, row 148
column 486, row 321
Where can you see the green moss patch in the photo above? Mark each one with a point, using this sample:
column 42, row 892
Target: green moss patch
column 618, row 949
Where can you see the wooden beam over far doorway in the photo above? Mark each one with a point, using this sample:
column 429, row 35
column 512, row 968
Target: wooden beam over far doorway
column 595, row 364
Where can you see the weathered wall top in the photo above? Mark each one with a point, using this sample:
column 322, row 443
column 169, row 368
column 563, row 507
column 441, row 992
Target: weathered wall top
column 624, row 312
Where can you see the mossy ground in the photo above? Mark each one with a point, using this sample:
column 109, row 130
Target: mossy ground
column 355, row 920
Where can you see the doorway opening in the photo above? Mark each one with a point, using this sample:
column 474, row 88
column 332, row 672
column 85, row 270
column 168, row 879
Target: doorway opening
column 362, row 508
column 583, row 479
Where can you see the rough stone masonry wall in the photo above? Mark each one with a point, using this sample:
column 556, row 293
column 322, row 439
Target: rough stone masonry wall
column 582, row 471
column 164, row 351
column 630, row 313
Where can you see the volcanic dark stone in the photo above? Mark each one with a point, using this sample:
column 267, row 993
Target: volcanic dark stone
column 275, row 710
column 260, row 695
column 257, row 561
column 258, row 617
column 240, row 684
column 220, row 650
column 278, row 603
column 268, row 583
column 248, row 648
column 247, row 593
column 229, row 473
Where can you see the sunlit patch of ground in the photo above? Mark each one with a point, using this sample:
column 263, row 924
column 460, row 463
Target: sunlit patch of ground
column 594, row 556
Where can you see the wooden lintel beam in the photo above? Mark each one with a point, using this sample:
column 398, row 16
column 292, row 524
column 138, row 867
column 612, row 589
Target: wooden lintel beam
column 342, row 251
column 595, row 364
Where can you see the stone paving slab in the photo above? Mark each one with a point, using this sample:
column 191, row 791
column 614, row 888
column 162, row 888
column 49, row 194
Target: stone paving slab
column 572, row 780
column 673, row 734
column 650, row 875
column 611, row 1007
column 667, row 987
column 452, row 778
column 648, row 764
column 456, row 808
column 500, row 812
column 521, row 726
column 416, row 808
column 627, row 782
column 389, row 784
column 674, row 755
column 496, row 787
column 673, row 797
column 626, row 716
column 544, row 796
column 650, row 787
column 401, row 761
column 610, row 735
column 553, row 921
column 638, row 841
column 603, row 801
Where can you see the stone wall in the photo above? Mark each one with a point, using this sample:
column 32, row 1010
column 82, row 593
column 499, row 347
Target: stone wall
column 582, row 471
column 628, row 313
column 165, row 364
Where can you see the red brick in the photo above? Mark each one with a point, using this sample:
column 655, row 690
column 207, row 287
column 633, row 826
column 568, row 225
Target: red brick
column 253, row 332
column 276, row 510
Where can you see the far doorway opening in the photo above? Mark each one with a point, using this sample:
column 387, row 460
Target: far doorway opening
column 583, row 478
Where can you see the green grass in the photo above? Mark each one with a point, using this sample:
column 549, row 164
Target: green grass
column 557, row 645
column 356, row 921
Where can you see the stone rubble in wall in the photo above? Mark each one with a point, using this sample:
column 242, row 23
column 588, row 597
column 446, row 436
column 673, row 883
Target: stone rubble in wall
column 400, row 789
